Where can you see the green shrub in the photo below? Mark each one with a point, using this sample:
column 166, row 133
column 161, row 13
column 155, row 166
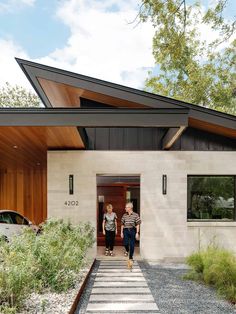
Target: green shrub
column 217, row 267
column 52, row 261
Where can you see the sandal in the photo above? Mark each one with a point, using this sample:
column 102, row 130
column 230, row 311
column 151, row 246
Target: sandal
column 111, row 253
column 125, row 254
column 106, row 253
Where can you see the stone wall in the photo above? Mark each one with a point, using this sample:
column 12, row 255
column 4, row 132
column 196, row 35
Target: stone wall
column 165, row 233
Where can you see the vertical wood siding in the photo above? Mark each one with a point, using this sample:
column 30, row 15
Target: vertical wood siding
column 24, row 190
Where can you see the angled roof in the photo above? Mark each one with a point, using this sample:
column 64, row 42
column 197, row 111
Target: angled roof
column 64, row 89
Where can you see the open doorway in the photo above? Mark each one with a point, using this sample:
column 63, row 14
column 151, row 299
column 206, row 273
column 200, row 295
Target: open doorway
column 116, row 190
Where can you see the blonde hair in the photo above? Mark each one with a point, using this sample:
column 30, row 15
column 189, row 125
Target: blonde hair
column 109, row 206
column 129, row 204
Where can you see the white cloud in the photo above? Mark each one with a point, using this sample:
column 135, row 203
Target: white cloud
column 13, row 5
column 102, row 43
column 9, row 69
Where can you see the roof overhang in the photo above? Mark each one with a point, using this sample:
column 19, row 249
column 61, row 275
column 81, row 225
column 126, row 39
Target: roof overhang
column 78, row 117
column 60, row 88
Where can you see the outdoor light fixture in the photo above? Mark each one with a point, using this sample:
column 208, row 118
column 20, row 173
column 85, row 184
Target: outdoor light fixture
column 71, row 184
column 164, row 184
column 100, row 198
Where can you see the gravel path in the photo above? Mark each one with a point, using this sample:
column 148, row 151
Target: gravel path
column 174, row 295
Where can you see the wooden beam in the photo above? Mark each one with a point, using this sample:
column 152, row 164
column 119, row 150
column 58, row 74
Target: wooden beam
column 171, row 136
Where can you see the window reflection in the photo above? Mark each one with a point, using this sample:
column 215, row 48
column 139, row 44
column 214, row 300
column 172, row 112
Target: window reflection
column 211, row 197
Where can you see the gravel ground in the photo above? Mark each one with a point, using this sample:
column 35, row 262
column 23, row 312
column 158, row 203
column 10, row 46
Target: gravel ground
column 81, row 308
column 54, row 303
column 174, row 295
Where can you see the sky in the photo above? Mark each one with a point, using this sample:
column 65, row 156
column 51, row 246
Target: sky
column 90, row 37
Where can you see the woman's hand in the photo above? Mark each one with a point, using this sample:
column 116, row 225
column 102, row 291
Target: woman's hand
column 104, row 233
column 137, row 236
column 122, row 235
column 116, row 232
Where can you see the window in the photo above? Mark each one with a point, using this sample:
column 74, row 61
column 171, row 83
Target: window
column 6, row 218
column 211, row 198
column 18, row 219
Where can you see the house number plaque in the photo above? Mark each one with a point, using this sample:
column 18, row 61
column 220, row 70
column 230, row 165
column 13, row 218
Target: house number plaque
column 71, row 203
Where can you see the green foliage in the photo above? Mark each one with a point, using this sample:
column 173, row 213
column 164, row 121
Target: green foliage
column 17, row 96
column 217, row 267
column 52, row 261
column 189, row 68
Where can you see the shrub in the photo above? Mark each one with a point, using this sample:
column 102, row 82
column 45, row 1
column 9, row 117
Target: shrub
column 217, row 267
column 50, row 261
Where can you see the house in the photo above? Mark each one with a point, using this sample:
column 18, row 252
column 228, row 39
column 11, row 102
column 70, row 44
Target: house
column 97, row 142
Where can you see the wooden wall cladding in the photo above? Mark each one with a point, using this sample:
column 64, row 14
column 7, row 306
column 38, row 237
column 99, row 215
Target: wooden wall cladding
column 25, row 190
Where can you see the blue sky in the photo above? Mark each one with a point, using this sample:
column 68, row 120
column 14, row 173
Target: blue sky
column 34, row 27
column 91, row 37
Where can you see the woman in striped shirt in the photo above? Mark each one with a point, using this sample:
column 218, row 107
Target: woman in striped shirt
column 130, row 224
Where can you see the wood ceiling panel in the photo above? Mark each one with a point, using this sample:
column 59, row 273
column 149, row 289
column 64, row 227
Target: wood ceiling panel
column 213, row 128
column 27, row 146
column 63, row 95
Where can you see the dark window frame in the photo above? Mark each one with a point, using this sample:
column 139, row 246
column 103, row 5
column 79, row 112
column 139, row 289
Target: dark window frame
column 211, row 220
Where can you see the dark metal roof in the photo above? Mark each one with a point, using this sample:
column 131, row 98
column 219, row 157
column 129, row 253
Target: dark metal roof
column 34, row 70
column 94, row 117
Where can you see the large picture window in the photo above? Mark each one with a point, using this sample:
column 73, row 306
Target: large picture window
column 211, row 198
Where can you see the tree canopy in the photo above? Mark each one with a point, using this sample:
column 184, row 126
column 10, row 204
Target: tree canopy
column 17, row 96
column 188, row 67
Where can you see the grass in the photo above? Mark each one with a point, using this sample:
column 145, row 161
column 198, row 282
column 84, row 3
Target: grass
column 215, row 267
column 51, row 261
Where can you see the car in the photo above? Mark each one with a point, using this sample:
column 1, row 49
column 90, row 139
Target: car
column 12, row 223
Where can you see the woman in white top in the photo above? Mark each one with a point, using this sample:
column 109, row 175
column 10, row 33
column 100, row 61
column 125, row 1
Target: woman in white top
column 109, row 227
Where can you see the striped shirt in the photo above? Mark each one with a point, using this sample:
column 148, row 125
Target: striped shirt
column 130, row 221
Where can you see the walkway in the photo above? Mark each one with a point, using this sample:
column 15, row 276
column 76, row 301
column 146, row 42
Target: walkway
column 117, row 290
column 113, row 289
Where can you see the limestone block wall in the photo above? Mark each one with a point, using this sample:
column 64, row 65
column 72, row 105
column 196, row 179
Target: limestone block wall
column 165, row 232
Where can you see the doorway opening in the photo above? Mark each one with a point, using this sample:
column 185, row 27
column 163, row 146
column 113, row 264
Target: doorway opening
column 116, row 190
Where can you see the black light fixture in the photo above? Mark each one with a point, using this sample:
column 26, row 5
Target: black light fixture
column 71, row 184
column 164, row 184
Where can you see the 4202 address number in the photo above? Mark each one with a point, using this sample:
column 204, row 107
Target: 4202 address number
column 71, row 203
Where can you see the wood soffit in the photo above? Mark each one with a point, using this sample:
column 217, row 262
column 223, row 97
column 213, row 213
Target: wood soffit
column 27, row 146
column 59, row 88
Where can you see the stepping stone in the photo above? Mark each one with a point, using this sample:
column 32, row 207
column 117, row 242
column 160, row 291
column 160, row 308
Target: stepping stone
column 120, row 284
column 115, row 306
column 126, row 279
column 105, row 270
column 121, row 297
column 123, row 274
column 113, row 290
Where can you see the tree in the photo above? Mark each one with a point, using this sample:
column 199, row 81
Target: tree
column 190, row 68
column 17, row 96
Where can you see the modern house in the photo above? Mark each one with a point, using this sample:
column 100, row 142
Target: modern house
column 97, row 142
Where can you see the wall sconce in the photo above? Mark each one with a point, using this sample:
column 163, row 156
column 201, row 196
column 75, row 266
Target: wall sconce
column 71, row 184
column 100, row 198
column 128, row 196
column 164, row 184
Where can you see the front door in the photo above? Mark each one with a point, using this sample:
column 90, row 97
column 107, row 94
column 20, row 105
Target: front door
column 117, row 192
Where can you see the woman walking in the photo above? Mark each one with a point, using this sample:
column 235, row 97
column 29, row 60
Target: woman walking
column 130, row 225
column 109, row 227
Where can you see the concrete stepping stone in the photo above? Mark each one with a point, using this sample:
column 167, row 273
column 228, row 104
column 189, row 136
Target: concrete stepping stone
column 120, row 284
column 118, row 290
column 122, row 306
column 121, row 297
column 113, row 290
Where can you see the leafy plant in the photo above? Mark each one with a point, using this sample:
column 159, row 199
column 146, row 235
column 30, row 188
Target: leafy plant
column 52, row 261
column 216, row 267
